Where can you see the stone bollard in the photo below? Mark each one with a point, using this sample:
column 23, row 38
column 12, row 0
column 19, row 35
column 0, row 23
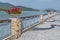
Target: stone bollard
column 41, row 19
column 48, row 15
column 15, row 27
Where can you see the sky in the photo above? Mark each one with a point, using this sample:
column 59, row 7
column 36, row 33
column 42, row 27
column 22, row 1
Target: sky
column 36, row 4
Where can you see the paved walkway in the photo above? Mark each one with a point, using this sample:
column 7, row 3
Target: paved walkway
column 49, row 30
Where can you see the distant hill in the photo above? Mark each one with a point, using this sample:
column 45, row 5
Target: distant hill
column 8, row 6
column 27, row 9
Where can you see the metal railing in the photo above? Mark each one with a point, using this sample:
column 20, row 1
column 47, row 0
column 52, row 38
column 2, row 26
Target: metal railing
column 26, row 23
column 4, row 30
column 29, row 20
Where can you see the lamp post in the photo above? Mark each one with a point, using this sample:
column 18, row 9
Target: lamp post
column 15, row 22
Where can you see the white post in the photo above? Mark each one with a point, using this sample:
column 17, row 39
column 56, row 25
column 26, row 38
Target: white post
column 15, row 27
column 54, row 13
column 41, row 18
column 48, row 15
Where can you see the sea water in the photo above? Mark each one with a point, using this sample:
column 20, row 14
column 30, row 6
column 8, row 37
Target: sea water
column 4, row 15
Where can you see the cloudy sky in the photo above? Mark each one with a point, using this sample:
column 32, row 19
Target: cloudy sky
column 37, row 4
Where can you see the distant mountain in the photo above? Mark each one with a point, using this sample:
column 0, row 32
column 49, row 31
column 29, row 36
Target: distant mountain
column 27, row 9
column 8, row 6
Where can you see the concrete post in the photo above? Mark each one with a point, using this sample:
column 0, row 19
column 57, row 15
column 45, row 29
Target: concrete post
column 54, row 13
column 41, row 19
column 48, row 15
column 15, row 27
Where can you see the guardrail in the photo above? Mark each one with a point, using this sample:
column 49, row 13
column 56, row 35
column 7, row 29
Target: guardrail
column 7, row 20
column 28, row 22
column 9, row 37
column 4, row 29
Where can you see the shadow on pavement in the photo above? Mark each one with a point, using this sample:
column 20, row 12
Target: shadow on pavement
column 52, row 26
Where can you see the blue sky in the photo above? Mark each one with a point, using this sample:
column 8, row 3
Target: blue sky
column 37, row 4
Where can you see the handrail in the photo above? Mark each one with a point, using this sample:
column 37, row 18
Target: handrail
column 11, row 37
column 7, row 20
column 29, row 16
column 36, row 18
column 26, row 17
column 32, row 16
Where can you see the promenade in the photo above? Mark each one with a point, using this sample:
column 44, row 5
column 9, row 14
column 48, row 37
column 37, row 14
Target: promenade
column 49, row 30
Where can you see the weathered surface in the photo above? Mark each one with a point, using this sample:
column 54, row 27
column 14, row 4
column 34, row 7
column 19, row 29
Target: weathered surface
column 15, row 27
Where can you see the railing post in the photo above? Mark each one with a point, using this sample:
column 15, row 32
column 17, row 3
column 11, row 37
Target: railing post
column 15, row 27
column 41, row 19
column 54, row 12
column 48, row 11
column 48, row 15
